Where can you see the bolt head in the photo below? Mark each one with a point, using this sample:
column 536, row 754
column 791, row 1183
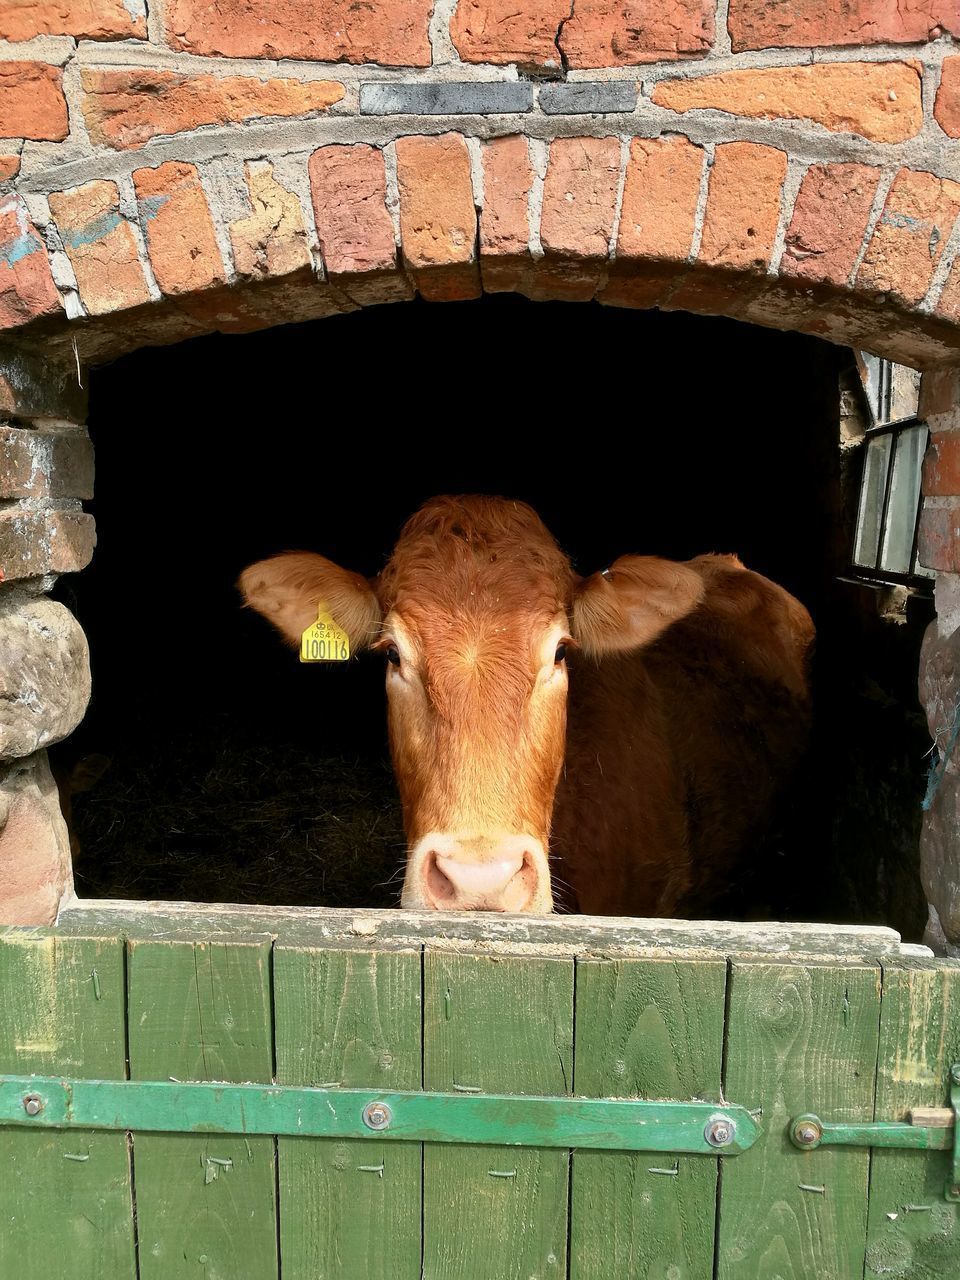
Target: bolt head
column 720, row 1131
column 32, row 1104
column 807, row 1133
column 377, row 1115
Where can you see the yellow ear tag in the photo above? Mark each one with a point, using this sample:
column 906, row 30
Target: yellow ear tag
column 324, row 641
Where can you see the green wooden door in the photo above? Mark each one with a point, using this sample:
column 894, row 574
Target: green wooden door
column 857, row 1037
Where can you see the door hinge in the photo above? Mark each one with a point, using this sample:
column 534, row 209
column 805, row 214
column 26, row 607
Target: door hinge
column 926, row 1129
column 159, row 1106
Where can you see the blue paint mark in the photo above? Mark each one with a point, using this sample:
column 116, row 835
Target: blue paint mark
column 901, row 220
column 20, row 246
column 93, row 230
column 150, row 206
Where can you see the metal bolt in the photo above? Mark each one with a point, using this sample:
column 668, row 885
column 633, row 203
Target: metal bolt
column 720, row 1131
column 32, row 1104
column 377, row 1115
column 808, row 1133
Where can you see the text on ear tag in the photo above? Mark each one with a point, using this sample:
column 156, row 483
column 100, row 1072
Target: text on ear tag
column 323, row 640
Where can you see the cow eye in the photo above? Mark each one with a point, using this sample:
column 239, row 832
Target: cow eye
column 393, row 655
column 560, row 654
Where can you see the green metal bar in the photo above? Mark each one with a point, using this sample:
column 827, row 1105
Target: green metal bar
column 877, row 1134
column 952, row 1189
column 502, row 1120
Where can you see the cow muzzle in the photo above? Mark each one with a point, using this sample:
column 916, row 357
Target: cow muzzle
column 468, row 872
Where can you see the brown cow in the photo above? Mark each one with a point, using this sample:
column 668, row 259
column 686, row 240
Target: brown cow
column 689, row 707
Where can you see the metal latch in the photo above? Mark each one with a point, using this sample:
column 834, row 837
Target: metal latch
column 159, row 1106
column 926, row 1129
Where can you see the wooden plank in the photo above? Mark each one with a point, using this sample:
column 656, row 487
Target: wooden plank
column 799, row 1038
column 577, row 934
column 646, row 1029
column 65, row 1196
column 350, row 1017
column 206, row 1204
column 914, row 1233
column 495, row 1024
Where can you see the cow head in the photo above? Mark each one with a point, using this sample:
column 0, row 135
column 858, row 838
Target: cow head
column 475, row 614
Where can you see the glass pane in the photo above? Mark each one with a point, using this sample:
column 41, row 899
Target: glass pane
column 872, row 488
column 897, row 553
column 893, row 390
column 872, row 373
column 904, row 392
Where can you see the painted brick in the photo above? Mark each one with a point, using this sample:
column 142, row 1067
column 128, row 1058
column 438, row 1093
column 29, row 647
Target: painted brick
column 625, row 33
column 125, row 109
column 27, row 290
column 743, row 206
column 903, row 253
column 101, row 246
column 272, row 241
column 938, row 544
column 504, row 97
column 32, row 104
column 45, row 463
column 438, row 219
column 393, row 33
column 83, row 19
column 941, row 466
column 760, row 24
column 878, row 100
column 601, row 97
column 946, row 107
column 178, row 228
column 504, row 219
column 9, row 168
column 349, row 189
column 829, row 222
column 579, row 206
column 33, row 543
column 505, row 31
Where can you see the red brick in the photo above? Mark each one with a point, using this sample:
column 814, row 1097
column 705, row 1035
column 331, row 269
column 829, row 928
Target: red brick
column 946, row 108
column 940, row 397
column 504, row 31
column 101, row 246
column 33, row 543
column 939, row 541
column 576, row 223
column 878, row 100
column 349, row 189
column 125, row 109
column 83, row 19
column 272, row 239
column 178, row 228
column 45, row 462
column 903, row 253
column 627, row 32
column 743, row 206
column 941, row 466
column 392, row 33
column 9, row 168
column 762, row 24
column 32, row 104
column 829, row 222
column 438, row 218
column 504, row 220
column 27, row 290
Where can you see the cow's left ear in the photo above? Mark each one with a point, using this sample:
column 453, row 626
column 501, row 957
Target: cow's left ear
column 633, row 602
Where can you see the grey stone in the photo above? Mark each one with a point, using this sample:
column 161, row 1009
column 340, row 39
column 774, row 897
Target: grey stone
column 44, row 674
column 940, row 836
column 594, row 97
column 468, row 98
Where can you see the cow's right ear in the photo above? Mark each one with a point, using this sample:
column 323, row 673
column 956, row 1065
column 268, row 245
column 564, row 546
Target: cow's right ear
column 288, row 590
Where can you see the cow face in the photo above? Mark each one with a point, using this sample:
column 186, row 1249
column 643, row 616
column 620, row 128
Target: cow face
column 475, row 615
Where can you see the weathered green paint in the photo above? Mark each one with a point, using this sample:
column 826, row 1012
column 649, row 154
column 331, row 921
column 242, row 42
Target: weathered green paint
column 158, row 1106
column 648, row 1029
column 799, row 1038
column 496, row 1024
column 914, row 1233
column 348, row 1016
column 206, row 1206
column 65, row 1198
column 877, row 1134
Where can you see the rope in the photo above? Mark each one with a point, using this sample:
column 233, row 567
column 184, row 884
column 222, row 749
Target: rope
column 938, row 766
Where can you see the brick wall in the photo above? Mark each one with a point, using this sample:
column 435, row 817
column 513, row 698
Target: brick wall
column 172, row 168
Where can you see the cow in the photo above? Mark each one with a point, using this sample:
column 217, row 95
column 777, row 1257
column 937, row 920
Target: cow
column 688, row 708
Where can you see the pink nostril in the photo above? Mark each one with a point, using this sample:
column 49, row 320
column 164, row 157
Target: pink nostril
column 501, row 884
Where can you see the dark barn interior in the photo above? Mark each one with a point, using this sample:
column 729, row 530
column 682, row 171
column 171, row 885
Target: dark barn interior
column 233, row 773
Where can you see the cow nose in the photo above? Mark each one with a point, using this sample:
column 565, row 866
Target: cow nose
column 496, row 884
